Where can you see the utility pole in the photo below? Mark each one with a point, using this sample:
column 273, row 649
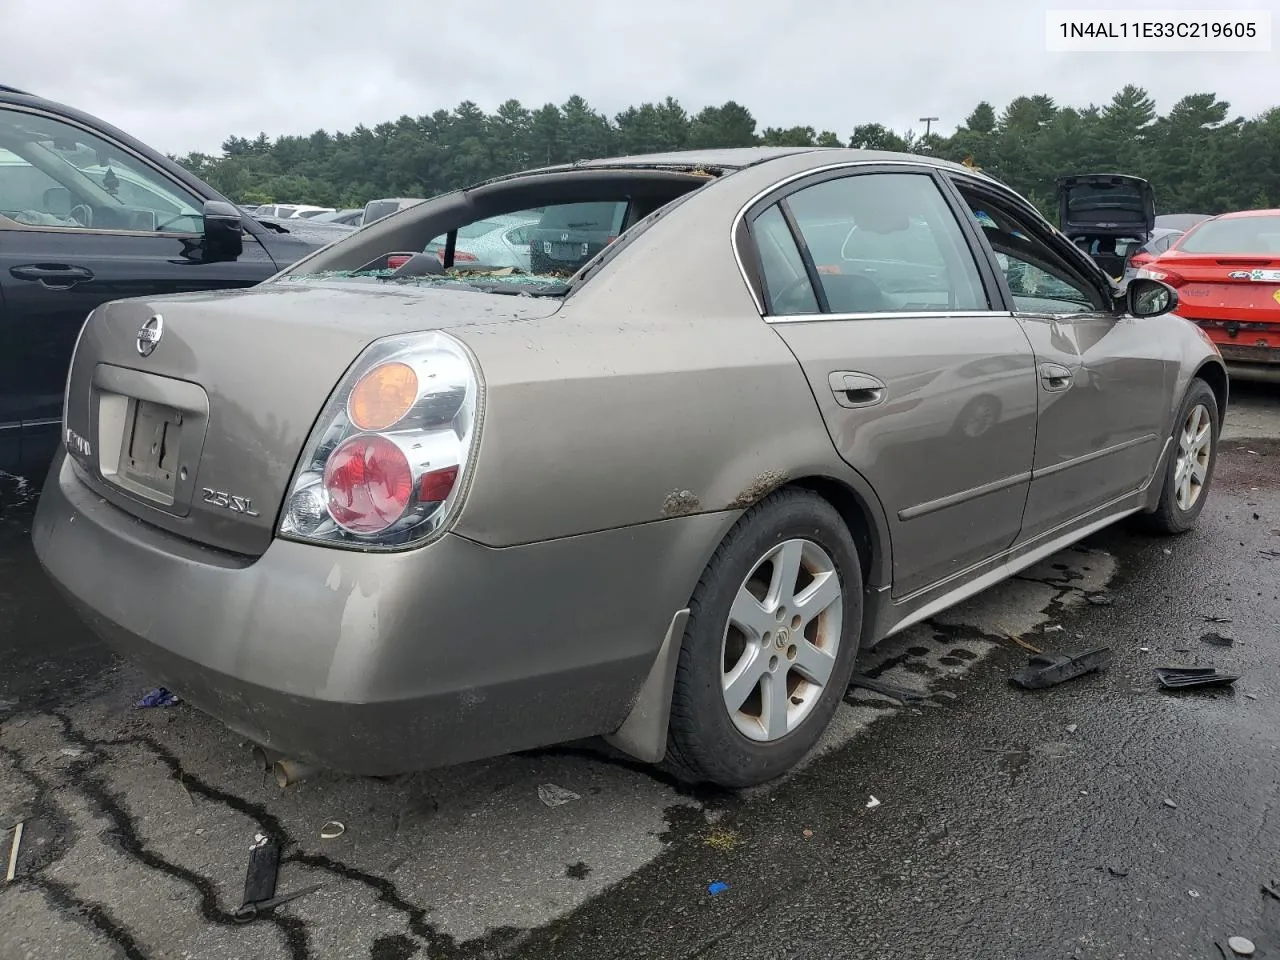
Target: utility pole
column 928, row 124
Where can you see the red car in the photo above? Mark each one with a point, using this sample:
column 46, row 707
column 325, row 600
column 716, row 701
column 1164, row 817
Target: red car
column 1226, row 270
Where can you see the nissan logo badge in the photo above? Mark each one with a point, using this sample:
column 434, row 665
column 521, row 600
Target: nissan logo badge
column 149, row 335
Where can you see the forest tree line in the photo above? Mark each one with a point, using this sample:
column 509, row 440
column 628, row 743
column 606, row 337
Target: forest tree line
column 1198, row 157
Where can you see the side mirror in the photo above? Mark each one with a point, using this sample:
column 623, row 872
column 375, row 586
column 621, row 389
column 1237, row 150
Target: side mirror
column 223, row 231
column 1149, row 298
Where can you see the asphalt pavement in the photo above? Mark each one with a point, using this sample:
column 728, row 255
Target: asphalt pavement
column 1103, row 818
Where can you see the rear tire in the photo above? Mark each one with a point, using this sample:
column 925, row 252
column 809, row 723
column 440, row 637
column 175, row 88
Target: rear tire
column 1189, row 472
column 774, row 627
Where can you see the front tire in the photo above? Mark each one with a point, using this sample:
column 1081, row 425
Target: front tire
column 770, row 645
column 1189, row 473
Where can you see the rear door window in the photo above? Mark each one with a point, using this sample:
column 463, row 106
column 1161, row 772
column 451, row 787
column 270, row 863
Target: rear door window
column 883, row 243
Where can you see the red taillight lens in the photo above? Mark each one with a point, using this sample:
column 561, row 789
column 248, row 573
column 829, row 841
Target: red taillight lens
column 368, row 483
column 436, row 485
column 397, row 260
column 1139, row 259
column 462, row 256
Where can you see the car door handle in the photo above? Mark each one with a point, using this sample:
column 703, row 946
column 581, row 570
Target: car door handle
column 854, row 389
column 56, row 276
column 1055, row 377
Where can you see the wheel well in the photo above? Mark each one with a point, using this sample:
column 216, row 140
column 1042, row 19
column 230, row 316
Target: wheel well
column 855, row 515
column 1212, row 374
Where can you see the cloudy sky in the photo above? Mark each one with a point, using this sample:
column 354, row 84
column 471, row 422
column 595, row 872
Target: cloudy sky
column 182, row 74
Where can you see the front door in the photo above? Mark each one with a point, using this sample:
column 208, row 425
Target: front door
column 1103, row 378
column 926, row 389
column 84, row 221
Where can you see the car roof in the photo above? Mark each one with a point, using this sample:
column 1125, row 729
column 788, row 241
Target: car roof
column 1239, row 214
column 732, row 159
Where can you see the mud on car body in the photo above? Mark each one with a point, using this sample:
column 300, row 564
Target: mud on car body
column 393, row 511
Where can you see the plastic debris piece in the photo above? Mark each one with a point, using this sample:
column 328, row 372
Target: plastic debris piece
column 1144, row 649
column 1100, row 599
column 332, row 830
column 1216, row 639
column 716, row 888
column 872, row 803
column 1251, row 696
column 555, row 796
column 13, row 851
column 71, row 751
column 1170, row 804
column 1052, row 628
column 807, row 833
column 1271, row 890
column 159, row 697
column 1072, row 728
column 1050, row 669
column 264, row 867
column 251, row 911
column 1178, row 678
column 1117, row 871
column 1241, row 946
column 1217, row 620
column 891, row 690
column 1194, row 894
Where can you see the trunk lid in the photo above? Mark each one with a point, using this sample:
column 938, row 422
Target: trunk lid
column 201, row 436
column 1105, row 205
column 1224, row 286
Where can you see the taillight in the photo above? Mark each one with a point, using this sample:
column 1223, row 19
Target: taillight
column 1140, row 259
column 397, row 260
column 1164, row 276
column 462, row 256
column 389, row 458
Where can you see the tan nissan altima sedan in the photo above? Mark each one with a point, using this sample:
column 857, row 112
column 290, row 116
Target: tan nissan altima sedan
column 756, row 410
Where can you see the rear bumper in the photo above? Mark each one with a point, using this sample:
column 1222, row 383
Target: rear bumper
column 378, row 664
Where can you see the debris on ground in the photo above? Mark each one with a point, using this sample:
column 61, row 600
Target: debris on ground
column 1241, row 946
column 1271, row 890
column 1072, row 728
column 1117, row 871
column 1193, row 894
column 1217, row 639
column 1178, row 678
column 1217, row 620
column 872, row 803
column 1170, row 804
column 1100, row 599
column 1052, row 628
column 260, row 881
column 555, row 796
column 264, row 866
column 891, row 690
column 1049, row 669
column 723, row 840
column 717, row 887
column 332, row 830
column 807, row 833
column 13, row 851
column 1022, row 643
column 159, row 697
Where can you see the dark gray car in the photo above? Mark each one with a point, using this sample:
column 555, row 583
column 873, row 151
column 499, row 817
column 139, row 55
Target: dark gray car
column 386, row 512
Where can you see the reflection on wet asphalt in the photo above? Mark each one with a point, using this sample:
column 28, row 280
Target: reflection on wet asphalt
column 1009, row 823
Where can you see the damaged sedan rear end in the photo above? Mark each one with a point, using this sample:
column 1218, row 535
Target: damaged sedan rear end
column 398, row 507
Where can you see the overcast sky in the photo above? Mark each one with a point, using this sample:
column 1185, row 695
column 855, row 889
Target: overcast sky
column 183, row 75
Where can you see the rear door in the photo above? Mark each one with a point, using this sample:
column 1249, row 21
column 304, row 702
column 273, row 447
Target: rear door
column 1227, row 274
column 84, row 220
column 1104, row 379
column 926, row 387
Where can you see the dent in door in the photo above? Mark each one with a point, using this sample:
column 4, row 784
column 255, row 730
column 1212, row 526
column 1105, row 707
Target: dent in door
column 1099, row 435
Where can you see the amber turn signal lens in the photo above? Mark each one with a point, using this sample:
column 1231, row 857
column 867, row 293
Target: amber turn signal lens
column 383, row 396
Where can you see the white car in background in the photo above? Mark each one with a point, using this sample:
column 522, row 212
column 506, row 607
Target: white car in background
column 501, row 241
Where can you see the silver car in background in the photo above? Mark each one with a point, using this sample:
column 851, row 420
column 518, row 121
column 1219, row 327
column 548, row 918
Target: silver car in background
column 388, row 511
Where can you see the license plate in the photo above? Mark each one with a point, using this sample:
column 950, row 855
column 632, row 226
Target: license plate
column 564, row 251
column 150, row 456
